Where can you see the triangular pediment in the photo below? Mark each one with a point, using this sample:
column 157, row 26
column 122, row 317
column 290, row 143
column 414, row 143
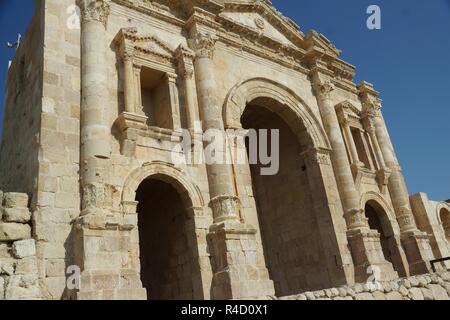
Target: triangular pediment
column 261, row 20
column 152, row 44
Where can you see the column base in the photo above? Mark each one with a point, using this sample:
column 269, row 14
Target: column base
column 238, row 266
column 418, row 251
column 368, row 256
column 109, row 265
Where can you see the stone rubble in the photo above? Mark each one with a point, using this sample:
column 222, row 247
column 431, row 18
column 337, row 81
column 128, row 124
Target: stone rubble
column 18, row 261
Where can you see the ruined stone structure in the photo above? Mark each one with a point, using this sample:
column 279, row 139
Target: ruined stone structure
column 90, row 114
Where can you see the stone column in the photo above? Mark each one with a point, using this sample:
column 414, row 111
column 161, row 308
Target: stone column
column 106, row 273
column 370, row 129
column 365, row 243
column 416, row 243
column 185, row 64
column 137, row 89
column 223, row 194
column 173, row 100
column 350, row 142
column 129, row 83
column 349, row 195
column 233, row 245
column 95, row 129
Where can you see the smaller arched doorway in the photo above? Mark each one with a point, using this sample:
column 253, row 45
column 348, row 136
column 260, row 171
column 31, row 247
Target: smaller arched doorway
column 378, row 220
column 167, row 240
column 444, row 215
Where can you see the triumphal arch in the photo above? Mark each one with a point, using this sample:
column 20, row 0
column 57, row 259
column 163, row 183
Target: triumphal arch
column 91, row 116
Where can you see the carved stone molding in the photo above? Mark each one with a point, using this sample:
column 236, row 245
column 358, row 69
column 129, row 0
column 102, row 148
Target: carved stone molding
column 224, row 207
column 203, row 45
column 316, row 156
column 94, row 10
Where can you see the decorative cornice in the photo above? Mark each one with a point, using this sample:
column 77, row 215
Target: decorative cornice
column 94, row 10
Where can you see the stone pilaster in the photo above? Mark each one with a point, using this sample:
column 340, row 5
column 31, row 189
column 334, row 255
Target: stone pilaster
column 238, row 266
column 185, row 58
column 416, row 243
column 364, row 243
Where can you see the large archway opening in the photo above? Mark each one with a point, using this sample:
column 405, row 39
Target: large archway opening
column 444, row 214
column 378, row 220
column 168, row 264
column 289, row 230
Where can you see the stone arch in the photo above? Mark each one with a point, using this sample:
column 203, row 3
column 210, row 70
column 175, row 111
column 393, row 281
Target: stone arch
column 443, row 215
column 167, row 173
column 381, row 217
column 289, row 231
column 251, row 89
column 166, row 204
column 384, row 207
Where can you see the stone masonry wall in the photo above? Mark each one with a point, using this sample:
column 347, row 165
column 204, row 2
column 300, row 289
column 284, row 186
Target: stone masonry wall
column 22, row 106
column 18, row 262
column 434, row 286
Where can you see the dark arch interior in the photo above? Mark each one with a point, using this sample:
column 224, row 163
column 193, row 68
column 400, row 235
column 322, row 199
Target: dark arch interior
column 378, row 221
column 445, row 219
column 166, row 258
column 289, row 229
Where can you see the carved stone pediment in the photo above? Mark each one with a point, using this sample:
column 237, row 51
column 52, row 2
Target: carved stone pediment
column 147, row 47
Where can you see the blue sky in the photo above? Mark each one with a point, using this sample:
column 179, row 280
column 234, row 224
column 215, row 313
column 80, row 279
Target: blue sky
column 407, row 61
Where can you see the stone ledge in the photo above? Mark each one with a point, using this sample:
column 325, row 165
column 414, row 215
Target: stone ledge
column 435, row 286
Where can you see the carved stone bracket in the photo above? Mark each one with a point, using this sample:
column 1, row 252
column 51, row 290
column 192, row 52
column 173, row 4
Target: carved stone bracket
column 129, row 125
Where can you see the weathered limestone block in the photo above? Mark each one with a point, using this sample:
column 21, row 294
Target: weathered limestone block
column 394, row 296
column 415, row 294
column 439, row 293
column 19, row 215
column 26, row 266
column 378, row 295
column 427, row 294
column 364, row 296
column 14, row 231
column 15, row 200
column 7, row 266
column 2, row 288
column 24, row 248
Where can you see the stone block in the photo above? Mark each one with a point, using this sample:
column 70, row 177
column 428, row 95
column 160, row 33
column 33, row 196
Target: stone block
column 2, row 288
column 415, row 294
column 7, row 267
column 26, row 266
column 14, row 231
column 364, row 296
column 19, row 215
column 394, row 295
column 378, row 295
column 439, row 293
column 427, row 294
column 24, row 248
column 15, row 200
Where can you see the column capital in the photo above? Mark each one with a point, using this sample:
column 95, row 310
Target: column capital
column 323, row 89
column 94, row 10
column 203, row 45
